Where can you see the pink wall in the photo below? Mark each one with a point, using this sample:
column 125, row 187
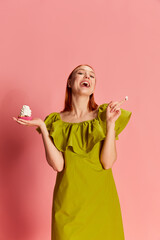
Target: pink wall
column 40, row 44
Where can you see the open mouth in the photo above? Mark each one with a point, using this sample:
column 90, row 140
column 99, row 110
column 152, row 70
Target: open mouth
column 85, row 84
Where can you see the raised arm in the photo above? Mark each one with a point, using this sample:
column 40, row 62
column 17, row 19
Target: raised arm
column 113, row 113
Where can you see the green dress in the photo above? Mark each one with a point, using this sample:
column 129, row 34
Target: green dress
column 85, row 200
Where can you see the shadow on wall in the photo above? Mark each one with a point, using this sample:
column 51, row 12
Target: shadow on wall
column 17, row 172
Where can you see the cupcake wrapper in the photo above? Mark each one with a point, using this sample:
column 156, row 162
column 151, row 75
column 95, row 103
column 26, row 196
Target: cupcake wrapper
column 25, row 118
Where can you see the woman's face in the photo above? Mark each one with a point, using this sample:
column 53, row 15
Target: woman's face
column 80, row 75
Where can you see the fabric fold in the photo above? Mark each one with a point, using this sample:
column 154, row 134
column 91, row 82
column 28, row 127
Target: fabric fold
column 82, row 136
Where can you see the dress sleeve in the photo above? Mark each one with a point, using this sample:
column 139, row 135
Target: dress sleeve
column 121, row 122
column 48, row 121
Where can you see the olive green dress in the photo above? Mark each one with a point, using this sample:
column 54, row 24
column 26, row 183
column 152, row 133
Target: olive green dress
column 85, row 200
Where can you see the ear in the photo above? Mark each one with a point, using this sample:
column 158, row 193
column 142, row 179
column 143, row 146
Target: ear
column 68, row 84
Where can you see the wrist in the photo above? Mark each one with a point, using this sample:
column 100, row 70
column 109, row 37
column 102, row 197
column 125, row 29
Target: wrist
column 44, row 129
column 42, row 125
column 110, row 124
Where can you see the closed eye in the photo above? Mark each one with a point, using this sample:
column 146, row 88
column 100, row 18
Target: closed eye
column 82, row 73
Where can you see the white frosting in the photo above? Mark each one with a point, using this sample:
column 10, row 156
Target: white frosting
column 25, row 111
column 126, row 98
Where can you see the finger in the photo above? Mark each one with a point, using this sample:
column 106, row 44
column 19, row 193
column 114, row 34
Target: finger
column 20, row 119
column 112, row 104
column 109, row 104
column 117, row 111
column 123, row 100
column 115, row 108
column 14, row 118
column 23, row 120
column 19, row 122
column 22, row 123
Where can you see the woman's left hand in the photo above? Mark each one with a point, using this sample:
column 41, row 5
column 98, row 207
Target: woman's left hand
column 113, row 111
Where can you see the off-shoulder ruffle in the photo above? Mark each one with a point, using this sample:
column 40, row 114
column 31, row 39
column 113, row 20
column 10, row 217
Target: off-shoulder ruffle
column 82, row 137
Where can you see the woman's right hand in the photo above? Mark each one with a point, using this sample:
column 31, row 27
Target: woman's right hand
column 34, row 122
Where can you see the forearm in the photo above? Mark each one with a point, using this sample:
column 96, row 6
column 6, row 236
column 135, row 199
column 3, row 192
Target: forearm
column 53, row 155
column 108, row 152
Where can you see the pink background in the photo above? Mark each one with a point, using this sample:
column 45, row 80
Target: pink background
column 40, row 44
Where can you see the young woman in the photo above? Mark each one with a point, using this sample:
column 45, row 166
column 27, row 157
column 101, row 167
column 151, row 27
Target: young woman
column 80, row 146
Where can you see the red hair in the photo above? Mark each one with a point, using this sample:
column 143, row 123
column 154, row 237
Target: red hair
column 68, row 95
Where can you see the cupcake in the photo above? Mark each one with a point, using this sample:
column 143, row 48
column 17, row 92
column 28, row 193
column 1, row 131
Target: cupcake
column 25, row 113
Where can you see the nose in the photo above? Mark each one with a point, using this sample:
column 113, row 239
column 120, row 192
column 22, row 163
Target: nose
column 86, row 75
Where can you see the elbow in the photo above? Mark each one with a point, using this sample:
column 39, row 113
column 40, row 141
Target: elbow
column 108, row 167
column 60, row 167
column 59, row 170
column 57, row 164
column 109, row 164
column 56, row 169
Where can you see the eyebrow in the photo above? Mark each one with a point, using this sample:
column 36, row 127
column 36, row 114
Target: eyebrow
column 84, row 69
